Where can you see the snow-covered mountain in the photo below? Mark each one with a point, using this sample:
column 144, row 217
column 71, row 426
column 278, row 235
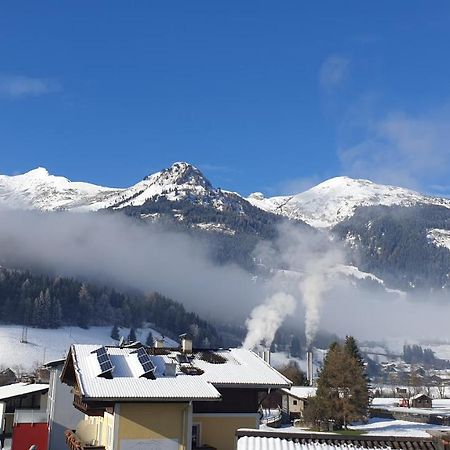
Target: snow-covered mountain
column 336, row 199
column 398, row 235
column 322, row 206
column 38, row 189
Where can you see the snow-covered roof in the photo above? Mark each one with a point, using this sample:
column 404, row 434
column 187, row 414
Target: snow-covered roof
column 417, row 396
column 239, row 368
column 18, row 389
column 301, row 391
column 279, row 440
column 127, row 383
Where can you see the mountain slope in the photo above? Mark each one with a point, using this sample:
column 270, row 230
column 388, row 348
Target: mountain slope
column 337, row 199
column 398, row 235
column 400, row 244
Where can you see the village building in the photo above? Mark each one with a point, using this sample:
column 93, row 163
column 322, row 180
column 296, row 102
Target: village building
column 23, row 418
column 61, row 414
column 138, row 398
column 421, row 401
column 7, row 376
column 294, row 401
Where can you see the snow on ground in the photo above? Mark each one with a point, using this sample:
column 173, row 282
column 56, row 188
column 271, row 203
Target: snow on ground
column 392, row 427
column 440, row 238
column 378, row 427
column 47, row 345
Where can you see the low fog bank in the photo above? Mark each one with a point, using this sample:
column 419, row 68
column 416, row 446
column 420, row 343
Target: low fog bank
column 301, row 284
column 115, row 249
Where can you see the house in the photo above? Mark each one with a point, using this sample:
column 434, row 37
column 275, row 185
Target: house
column 61, row 414
column 294, row 401
column 136, row 398
column 23, row 416
column 7, row 376
column 271, row 440
column 421, row 401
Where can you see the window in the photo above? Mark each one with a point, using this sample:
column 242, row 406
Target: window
column 294, row 402
column 196, row 436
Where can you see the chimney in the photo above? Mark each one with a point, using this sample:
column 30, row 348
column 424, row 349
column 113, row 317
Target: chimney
column 186, row 343
column 309, row 367
column 159, row 343
column 170, row 369
column 266, row 355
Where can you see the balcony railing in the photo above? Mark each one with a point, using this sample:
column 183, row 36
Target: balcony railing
column 30, row 416
column 74, row 443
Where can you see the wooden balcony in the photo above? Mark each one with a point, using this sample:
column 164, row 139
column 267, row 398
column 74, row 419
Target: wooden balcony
column 74, row 443
column 92, row 408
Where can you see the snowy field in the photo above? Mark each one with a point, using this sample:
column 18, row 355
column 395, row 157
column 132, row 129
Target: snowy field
column 378, row 427
column 47, row 345
column 391, row 427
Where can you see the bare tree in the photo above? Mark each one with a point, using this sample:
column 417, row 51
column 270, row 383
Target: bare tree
column 441, row 390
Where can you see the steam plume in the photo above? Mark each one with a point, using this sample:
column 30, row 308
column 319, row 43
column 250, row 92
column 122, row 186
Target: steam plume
column 265, row 319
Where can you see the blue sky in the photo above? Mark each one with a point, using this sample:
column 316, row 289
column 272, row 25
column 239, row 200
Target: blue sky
column 261, row 95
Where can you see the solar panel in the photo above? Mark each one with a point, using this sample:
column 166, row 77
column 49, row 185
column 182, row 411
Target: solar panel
column 103, row 360
column 145, row 360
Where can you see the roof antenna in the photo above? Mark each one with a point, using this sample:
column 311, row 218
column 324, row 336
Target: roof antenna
column 121, row 341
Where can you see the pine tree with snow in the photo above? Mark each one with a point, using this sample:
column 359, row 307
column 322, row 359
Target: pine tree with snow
column 149, row 340
column 132, row 335
column 115, row 332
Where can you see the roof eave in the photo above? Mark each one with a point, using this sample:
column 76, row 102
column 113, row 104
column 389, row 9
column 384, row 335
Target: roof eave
column 151, row 399
column 251, row 385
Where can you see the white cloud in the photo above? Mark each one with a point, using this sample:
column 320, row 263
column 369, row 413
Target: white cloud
column 402, row 149
column 19, row 86
column 333, row 71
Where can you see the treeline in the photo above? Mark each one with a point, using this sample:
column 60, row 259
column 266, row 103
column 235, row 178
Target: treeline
column 415, row 354
column 49, row 302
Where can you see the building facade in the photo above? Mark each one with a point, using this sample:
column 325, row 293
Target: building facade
column 137, row 398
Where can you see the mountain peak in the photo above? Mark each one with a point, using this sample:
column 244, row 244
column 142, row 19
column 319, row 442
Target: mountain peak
column 182, row 173
column 38, row 172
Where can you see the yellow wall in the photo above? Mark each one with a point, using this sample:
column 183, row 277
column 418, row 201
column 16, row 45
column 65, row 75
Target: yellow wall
column 219, row 430
column 154, row 421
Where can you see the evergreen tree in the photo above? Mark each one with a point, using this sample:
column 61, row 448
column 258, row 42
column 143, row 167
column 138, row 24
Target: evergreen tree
column 295, row 347
column 115, row 332
column 149, row 340
column 55, row 313
column 132, row 335
column 85, row 306
column 342, row 391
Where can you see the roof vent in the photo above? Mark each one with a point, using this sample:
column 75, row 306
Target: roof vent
column 170, row 369
column 186, row 343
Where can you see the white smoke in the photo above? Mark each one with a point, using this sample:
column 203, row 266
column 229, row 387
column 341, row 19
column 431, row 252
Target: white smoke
column 316, row 282
column 309, row 261
column 265, row 320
